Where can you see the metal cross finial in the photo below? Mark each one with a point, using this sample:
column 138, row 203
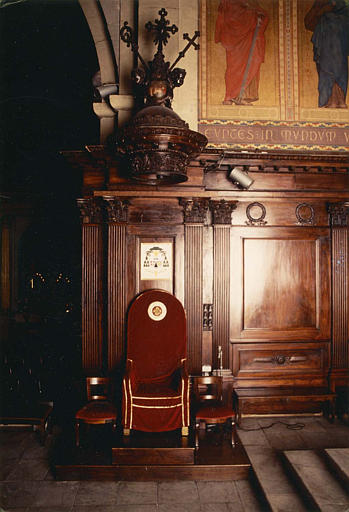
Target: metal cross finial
column 162, row 30
column 190, row 43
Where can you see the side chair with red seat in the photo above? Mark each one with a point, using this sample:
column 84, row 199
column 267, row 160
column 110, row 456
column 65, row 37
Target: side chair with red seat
column 99, row 409
column 210, row 409
column 156, row 385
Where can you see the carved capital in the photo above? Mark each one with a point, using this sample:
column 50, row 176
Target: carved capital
column 194, row 209
column 222, row 210
column 90, row 210
column 339, row 213
column 117, row 209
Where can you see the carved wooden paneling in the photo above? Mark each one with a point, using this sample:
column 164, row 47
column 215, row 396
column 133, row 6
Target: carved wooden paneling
column 221, row 218
column 283, row 363
column 117, row 213
column 281, row 283
column 92, row 333
column 339, row 216
column 116, row 293
column 194, row 216
column 221, row 293
column 92, row 285
column 193, row 294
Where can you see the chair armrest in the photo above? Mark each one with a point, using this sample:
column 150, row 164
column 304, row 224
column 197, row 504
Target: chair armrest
column 130, row 375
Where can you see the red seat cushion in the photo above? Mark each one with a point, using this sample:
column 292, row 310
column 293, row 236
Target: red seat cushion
column 97, row 411
column 214, row 413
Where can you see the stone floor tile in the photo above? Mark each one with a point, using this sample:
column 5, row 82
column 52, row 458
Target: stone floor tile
column 178, row 492
column 286, row 440
column 11, row 450
column 311, row 424
column 248, row 496
column 116, row 508
column 179, row 507
column 94, row 508
column 17, row 494
column 286, row 503
column 36, row 469
column 217, row 492
column 49, row 509
column 215, row 507
column 97, row 493
column 35, row 451
column 137, row 493
column 252, row 437
column 56, row 494
column 326, row 440
column 6, row 466
column 269, row 470
column 320, row 483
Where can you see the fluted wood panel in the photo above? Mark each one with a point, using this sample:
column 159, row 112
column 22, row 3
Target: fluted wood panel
column 221, row 293
column 193, row 295
column 92, row 267
column 340, row 297
column 116, row 293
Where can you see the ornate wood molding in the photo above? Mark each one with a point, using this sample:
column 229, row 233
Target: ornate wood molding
column 222, row 211
column 117, row 209
column 90, row 210
column 259, row 220
column 339, row 213
column 194, row 209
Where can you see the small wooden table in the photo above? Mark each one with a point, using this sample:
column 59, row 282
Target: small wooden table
column 36, row 415
column 286, row 400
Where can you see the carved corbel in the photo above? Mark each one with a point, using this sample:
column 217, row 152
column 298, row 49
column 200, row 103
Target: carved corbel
column 117, row 209
column 194, row 209
column 222, row 210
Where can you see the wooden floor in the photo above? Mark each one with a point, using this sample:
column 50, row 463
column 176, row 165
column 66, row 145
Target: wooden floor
column 142, row 457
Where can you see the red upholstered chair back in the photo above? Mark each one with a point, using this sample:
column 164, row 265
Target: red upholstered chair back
column 156, row 334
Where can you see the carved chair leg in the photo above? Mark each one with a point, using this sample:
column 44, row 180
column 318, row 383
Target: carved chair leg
column 233, row 434
column 197, row 428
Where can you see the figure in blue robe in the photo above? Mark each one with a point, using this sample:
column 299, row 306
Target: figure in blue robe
column 329, row 21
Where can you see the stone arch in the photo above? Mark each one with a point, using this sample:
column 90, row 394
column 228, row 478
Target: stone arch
column 104, row 36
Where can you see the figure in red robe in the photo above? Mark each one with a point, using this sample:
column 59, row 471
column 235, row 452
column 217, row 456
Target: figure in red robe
column 240, row 27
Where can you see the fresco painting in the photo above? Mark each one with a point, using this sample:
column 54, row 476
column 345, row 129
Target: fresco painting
column 274, row 73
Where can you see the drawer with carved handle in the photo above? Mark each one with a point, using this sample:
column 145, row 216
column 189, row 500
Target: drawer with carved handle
column 281, row 357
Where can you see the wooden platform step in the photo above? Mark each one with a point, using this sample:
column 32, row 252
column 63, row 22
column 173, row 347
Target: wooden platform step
column 338, row 460
column 319, row 487
column 153, row 450
column 215, row 460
